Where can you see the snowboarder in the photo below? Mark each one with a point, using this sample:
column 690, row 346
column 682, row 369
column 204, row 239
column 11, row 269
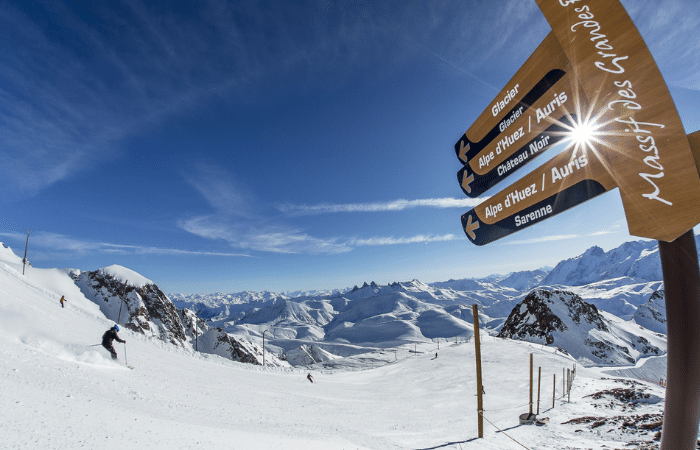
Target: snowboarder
column 63, row 299
column 310, row 378
column 109, row 336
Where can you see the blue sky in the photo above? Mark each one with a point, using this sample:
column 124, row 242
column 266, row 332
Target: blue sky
column 230, row 146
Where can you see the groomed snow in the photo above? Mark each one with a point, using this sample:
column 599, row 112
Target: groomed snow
column 61, row 393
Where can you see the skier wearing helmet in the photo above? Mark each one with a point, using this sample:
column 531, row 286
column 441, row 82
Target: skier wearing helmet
column 107, row 339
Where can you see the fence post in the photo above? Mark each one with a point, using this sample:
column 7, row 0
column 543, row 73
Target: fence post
column 479, row 387
column 531, row 383
column 539, row 376
column 568, row 387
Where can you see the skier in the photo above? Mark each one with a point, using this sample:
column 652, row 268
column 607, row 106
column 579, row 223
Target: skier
column 310, row 378
column 109, row 336
column 63, row 299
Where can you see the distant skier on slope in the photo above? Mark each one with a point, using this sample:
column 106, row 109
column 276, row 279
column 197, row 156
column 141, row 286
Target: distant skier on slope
column 310, row 378
column 63, row 299
column 107, row 339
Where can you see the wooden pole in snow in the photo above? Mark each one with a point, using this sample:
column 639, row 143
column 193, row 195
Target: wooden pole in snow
column 479, row 386
column 531, row 383
column 539, row 376
column 24, row 261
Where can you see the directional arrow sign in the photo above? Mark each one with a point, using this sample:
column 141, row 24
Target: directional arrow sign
column 546, row 122
column 565, row 181
column 640, row 136
column 539, row 73
column 569, row 179
column 474, row 184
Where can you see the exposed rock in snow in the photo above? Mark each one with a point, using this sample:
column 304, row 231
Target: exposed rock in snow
column 218, row 342
column 652, row 314
column 309, row 354
column 130, row 299
column 563, row 319
column 140, row 305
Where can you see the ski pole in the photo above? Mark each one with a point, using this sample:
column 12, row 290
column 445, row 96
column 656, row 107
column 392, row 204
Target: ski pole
column 93, row 345
column 125, row 360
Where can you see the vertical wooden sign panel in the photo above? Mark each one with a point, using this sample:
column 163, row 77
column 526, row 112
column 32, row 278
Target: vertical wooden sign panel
column 640, row 134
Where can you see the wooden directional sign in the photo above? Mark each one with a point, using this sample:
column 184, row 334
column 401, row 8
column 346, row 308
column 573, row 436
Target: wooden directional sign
column 615, row 87
column 570, row 178
column 539, row 73
column 545, row 123
column 641, row 138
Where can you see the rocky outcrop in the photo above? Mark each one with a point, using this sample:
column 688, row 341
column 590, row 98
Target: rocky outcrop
column 135, row 302
column 534, row 317
column 562, row 319
column 138, row 304
column 652, row 314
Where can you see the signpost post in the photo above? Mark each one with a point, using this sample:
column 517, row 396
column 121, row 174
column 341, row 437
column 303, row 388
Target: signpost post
column 594, row 72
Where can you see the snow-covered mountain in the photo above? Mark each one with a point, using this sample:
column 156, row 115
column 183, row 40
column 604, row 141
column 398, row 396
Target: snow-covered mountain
column 652, row 314
column 563, row 319
column 316, row 327
column 618, row 282
column 59, row 390
column 637, row 260
column 120, row 295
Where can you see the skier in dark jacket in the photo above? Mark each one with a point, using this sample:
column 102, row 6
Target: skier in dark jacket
column 109, row 336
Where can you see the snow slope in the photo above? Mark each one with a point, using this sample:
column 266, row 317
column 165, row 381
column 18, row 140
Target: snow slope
column 60, row 393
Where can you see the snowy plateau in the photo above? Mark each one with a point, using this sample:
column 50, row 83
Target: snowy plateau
column 393, row 366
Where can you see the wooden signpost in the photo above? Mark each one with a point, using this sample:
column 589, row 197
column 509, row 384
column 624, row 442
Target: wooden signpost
column 594, row 71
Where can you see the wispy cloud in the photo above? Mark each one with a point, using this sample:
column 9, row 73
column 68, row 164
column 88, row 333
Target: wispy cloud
column 539, row 240
column 278, row 239
column 557, row 237
column 394, row 205
column 245, row 234
column 238, row 218
column 81, row 79
column 61, row 246
column 602, row 233
column 402, row 240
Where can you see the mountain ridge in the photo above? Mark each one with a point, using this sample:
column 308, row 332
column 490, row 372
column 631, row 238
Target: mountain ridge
column 314, row 325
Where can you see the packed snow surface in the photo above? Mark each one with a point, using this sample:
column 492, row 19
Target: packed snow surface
column 61, row 390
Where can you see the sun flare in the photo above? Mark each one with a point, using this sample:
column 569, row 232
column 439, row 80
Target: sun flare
column 582, row 134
